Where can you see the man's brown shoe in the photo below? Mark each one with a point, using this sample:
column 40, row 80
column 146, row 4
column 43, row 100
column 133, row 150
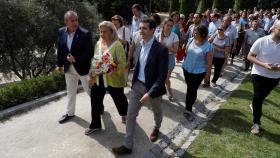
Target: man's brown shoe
column 122, row 150
column 154, row 135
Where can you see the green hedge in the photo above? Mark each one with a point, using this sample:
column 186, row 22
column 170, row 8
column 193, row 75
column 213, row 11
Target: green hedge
column 27, row 90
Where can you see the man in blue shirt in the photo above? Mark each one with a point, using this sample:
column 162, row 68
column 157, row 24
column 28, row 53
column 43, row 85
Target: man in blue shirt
column 213, row 26
column 137, row 16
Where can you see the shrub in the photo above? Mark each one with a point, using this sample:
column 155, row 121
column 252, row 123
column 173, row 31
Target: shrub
column 27, row 90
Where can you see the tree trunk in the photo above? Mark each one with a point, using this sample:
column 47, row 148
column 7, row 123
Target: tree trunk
column 201, row 6
column 44, row 62
column 174, row 5
column 236, row 6
column 208, row 3
column 187, row 6
column 215, row 4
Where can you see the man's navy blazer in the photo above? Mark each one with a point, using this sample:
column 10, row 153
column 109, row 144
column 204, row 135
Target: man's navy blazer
column 155, row 70
column 81, row 49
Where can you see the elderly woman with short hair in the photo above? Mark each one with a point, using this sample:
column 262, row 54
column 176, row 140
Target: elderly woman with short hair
column 107, row 77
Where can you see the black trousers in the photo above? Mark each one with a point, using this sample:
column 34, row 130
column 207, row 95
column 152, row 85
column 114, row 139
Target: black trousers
column 193, row 81
column 218, row 65
column 262, row 88
column 97, row 96
column 246, row 62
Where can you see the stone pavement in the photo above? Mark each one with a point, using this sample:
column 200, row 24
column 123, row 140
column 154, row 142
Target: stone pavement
column 37, row 134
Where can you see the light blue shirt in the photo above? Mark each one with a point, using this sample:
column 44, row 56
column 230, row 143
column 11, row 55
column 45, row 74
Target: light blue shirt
column 158, row 30
column 144, row 53
column 232, row 33
column 190, row 31
column 244, row 21
column 136, row 23
column 70, row 37
column 220, row 43
column 196, row 60
column 261, row 23
column 268, row 23
column 213, row 26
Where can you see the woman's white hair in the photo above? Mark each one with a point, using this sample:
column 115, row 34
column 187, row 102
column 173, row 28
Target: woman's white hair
column 111, row 27
column 70, row 13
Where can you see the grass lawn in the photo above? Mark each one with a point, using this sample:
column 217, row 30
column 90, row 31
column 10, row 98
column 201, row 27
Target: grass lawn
column 228, row 133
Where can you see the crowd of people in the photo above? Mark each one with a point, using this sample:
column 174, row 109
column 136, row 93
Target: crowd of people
column 151, row 48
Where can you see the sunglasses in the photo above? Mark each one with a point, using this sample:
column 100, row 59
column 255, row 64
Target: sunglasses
column 221, row 29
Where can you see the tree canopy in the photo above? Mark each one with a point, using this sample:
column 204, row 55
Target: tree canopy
column 28, row 33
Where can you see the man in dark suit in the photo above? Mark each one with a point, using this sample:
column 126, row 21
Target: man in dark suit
column 74, row 53
column 148, row 84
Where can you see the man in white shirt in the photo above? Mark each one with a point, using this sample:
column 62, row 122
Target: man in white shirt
column 265, row 57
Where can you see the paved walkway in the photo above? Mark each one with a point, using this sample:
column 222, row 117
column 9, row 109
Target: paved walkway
column 37, row 134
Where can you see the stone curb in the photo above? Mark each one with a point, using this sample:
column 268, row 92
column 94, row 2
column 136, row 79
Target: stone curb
column 175, row 143
column 5, row 114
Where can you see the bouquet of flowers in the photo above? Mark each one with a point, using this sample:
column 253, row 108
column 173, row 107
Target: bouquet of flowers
column 104, row 63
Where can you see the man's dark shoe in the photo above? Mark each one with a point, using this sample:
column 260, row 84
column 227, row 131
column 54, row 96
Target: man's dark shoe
column 154, row 135
column 65, row 118
column 122, row 150
column 205, row 85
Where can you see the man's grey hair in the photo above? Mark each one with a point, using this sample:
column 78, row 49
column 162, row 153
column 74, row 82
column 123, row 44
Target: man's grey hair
column 70, row 13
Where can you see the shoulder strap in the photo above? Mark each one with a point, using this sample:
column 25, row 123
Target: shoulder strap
column 191, row 41
column 123, row 32
column 186, row 50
